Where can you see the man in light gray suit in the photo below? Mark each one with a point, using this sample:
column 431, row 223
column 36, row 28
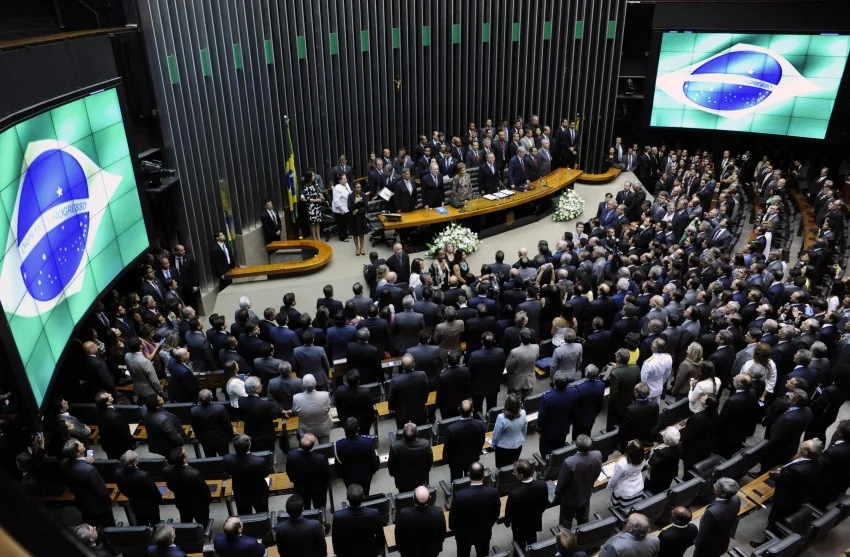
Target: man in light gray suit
column 567, row 357
column 746, row 354
column 406, row 326
column 313, row 410
column 575, row 483
column 145, row 381
column 520, row 364
column 544, row 158
column 267, row 366
column 634, row 541
column 308, row 358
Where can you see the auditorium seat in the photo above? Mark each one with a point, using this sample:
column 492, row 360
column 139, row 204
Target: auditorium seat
column 86, row 412
column 492, row 415
column 106, row 468
column 671, row 415
column 132, row 412
column 788, row 546
column 683, row 493
column 211, row 468
column 607, row 443
column 376, row 391
column 130, row 541
column 734, row 468
column 181, row 410
column 443, row 429
column 405, row 499
column 545, row 548
column 549, row 469
column 460, row 484
column 423, row 432
column 259, row 526
column 506, row 479
column 153, row 466
column 705, row 467
column 651, row 507
column 753, row 454
column 531, row 404
column 312, row 514
column 591, row 535
column 379, row 501
column 191, row 537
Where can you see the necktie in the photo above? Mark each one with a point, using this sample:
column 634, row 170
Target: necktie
column 226, row 253
column 104, row 320
column 409, row 189
column 155, row 287
column 717, row 234
column 167, row 274
column 179, row 262
column 491, row 168
column 522, row 164
column 572, row 135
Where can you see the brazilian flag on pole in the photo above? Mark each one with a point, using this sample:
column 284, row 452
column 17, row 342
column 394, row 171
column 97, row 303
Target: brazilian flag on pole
column 291, row 175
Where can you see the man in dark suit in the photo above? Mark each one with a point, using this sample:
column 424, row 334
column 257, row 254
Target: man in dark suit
column 184, row 265
column 182, row 386
column 399, row 263
column 597, row 347
column 718, row 523
column 430, row 311
column 165, row 432
column 835, row 461
column 328, row 300
column 640, row 417
column 427, row 357
column 271, row 222
column 486, row 366
column 191, row 493
column 783, row 437
column 795, row 483
column 380, row 335
column 724, row 357
column 222, row 259
column 355, row 401
column 433, row 192
column 200, row 349
column 355, row 456
column 464, row 441
column 453, row 386
column 575, row 483
column 163, row 543
column 139, row 489
column 518, row 170
column 421, row 529
column 474, row 512
column 309, row 472
column 738, row 417
column 96, row 371
column 408, row 393
column 152, row 287
column 526, row 503
column 681, row 219
column 357, row 530
column 555, row 416
column 404, row 192
column 297, row 535
column 231, row 542
column 248, row 473
column 115, row 437
column 230, row 354
column 365, row 358
column 588, row 404
column 284, row 338
column 475, row 327
column 258, row 415
column 488, row 175
column 91, row 496
column 211, row 425
column 410, row 460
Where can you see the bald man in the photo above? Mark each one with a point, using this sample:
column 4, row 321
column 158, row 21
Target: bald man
column 96, row 372
column 420, row 529
column 231, row 542
column 464, row 441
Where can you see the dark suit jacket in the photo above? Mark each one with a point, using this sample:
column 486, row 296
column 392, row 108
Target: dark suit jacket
column 139, row 488
column 517, row 172
column 453, row 388
column 408, row 395
column 638, row 421
column 356, row 460
column 115, row 435
column 332, row 305
column 402, row 270
column 156, row 551
column 225, row 356
column 98, row 375
column 183, row 386
column 716, row 527
column 259, row 415
column 525, row 506
column 420, row 531
column 283, row 389
column 597, row 349
column 406, row 327
column 303, row 537
column 783, row 356
column 427, row 358
column 834, row 479
column 723, row 358
column 188, row 485
column 219, row 261
column 591, row 397
column 433, row 193
column 404, row 200
column 248, row 473
column 165, row 432
column 355, row 403
column 365, row 358
column 475, row 328
column 271, row 226
column 357, row 532
column 485, row 369
column 674, row 541
column 379, row 332
column 432, row 312
column 555, row 416
column 784, row 435
column 243, row 546
column 737, row 421
column 90, row 493
column 211, row 425
column 576, row 477
column 284, row 340
column 200, row 351
column 488, row 182
column 698, row 438
column 309, row 472
column 463, row 443
column 664, row 466
column 410, row 463
column 474, row 512
column 794, row 485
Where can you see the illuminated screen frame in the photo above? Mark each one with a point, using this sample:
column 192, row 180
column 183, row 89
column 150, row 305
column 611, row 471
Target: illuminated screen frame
column 122, row 186
column 762, row 82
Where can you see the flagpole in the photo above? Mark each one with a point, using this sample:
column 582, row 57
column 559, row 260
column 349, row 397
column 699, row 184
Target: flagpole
column 290, row 222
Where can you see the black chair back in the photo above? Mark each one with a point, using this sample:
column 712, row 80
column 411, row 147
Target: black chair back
column 546, row 548
column 683, row 494
column 556, row 459
column 259, row 526
column 786, row 547
column 153, row 466
column 376, row 391
column 132, row 412
column 443, row 429
column 607, row 443
column 106, row 468
column 822, row 525
column 381, row 502
column 531, row 404
column 651, row 507
column 405, row 499
column 326, row 449
column 506, row 480
column 705, row 467
column 423, row 432
column 733, row 468
column 492, row 415
column 268, row 457
column 181, row 410
column 591, row 535
column 189, row 537
column 86, row 412
column 211, row 468
column 462, row 483
column 752, row 455
column 675, row 413
column 131, row 541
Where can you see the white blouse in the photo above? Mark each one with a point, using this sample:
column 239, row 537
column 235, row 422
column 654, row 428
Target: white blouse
column 340, row 198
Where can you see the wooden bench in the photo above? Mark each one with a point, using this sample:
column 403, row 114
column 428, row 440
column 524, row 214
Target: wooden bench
column 607, row 176
column 323, row 250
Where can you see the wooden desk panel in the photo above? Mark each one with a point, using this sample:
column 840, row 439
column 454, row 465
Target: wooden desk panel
column 65, row 497
column 758, row 491
column 555, row 181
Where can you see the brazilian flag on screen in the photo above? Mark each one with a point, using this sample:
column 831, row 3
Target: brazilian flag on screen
column 291, row 175
column 71, row 220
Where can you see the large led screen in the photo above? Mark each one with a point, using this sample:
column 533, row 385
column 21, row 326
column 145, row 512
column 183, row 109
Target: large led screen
column 71, row 220
column 776, row 84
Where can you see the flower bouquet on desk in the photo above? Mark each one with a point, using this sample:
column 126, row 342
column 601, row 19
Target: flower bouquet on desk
column 460, row 237
column 570, row 206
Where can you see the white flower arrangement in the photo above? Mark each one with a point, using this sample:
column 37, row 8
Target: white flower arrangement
column 570, row 205
column 460, row 237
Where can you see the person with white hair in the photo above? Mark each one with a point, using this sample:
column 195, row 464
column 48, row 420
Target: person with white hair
column 245, row 303
column 664, row 461
column 313, row 410
column 635, row 539
column 259, row 415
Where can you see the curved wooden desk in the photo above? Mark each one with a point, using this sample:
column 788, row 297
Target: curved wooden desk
column 555, row 181
column 323, row 250
column 601, row 178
